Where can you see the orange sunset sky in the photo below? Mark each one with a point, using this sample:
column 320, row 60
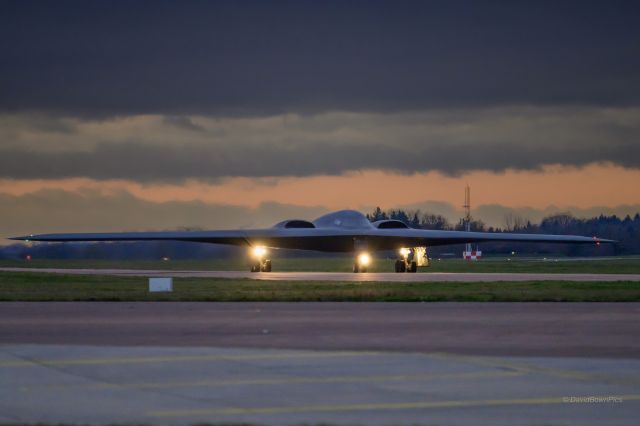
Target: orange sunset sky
column 561, row 186
column 214, row 115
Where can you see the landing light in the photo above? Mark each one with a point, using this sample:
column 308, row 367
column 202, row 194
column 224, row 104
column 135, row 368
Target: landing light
column 259, row 251
column 404, row 252
column 364, row 259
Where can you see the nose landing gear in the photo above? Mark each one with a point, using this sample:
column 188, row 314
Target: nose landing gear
column 362, row 261
column 260, row 263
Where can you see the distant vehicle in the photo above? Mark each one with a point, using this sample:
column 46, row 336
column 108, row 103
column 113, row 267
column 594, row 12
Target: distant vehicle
column 341, row 231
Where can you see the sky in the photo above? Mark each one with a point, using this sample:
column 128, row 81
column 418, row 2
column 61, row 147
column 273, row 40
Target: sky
column 220, row 114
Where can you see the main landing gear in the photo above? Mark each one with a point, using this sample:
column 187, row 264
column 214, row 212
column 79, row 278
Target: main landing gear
column 260, row 264
column 407, row 261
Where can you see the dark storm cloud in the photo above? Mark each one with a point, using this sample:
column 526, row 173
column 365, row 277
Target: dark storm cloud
column 120, row 58
column 160, row 148
column 182, row 122
column 142, row 163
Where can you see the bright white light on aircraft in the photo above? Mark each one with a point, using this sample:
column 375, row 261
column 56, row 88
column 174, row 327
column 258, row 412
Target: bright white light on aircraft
column 364, row 259
column 404, row 252
column 259, row 251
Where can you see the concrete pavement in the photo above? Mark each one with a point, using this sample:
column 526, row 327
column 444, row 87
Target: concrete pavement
column 163, row 385
column 504, row 329
column 173, row 363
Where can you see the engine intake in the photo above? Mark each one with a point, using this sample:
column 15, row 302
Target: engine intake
column 390, row 224
column 296, row 223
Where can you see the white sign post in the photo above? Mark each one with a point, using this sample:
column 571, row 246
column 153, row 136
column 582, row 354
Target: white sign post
column 160, row 284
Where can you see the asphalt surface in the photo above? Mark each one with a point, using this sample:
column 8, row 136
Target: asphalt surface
column 168, row 386
column 524, row 329
column 173, row 363
column 342, row 276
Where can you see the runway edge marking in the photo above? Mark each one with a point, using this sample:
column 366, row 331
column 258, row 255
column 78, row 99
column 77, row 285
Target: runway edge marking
column 376, row 406
column 180, row 358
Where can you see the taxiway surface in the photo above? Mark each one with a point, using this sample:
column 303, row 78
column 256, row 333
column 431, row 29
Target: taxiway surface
column 177, row 363
column 523, row 329
column 184, row 386
column 341, row 276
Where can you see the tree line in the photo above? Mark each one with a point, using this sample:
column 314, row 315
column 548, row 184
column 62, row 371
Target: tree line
column 624, row 230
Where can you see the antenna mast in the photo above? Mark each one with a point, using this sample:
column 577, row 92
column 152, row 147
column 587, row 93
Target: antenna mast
column 467, row 214
column 467, row 208
column 469, row 253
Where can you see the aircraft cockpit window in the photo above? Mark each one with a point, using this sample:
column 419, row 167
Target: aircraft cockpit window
column 346, row 219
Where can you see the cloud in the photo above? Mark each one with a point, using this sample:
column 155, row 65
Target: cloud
column 263, row 58
column 92, row 210
column 182, row 122
column 157, row 148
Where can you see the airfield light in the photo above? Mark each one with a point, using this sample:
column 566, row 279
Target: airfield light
column 404, row 252
column 259, row 251
column 364, row 259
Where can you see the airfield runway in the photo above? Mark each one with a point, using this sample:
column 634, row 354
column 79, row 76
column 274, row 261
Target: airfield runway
column 522, row 329
column 341, row 276
column 335, row 363
column 174, row 363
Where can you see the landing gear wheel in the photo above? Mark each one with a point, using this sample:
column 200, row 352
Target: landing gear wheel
column 400, row 265
column 266, row 266
column 356, row 268
column 413, row 267
column 261, row 266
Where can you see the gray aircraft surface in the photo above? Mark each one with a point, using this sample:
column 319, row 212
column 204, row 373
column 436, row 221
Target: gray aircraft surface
column 341, row 231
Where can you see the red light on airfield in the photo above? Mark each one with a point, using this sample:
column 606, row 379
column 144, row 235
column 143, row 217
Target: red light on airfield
column 28, row 257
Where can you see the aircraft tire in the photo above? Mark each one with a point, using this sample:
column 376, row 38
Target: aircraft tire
column 267, row 266
column 414, row 267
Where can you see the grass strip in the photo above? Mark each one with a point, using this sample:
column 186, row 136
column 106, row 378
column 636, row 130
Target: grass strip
column 53, row 287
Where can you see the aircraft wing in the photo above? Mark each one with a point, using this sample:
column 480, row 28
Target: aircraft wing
column 320, row 239
column 236, row 237
column 392, row 238
column 303, row 239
